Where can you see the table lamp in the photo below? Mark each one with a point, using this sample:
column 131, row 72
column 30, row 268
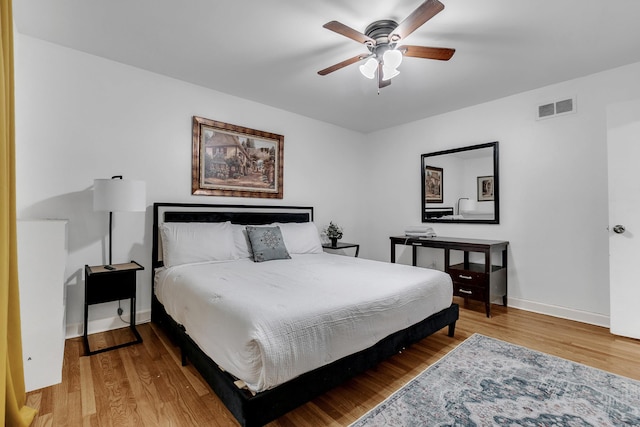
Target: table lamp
column 118, row 195
column 466, row 204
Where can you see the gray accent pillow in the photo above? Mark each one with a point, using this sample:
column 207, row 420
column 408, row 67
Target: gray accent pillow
column 267, row 243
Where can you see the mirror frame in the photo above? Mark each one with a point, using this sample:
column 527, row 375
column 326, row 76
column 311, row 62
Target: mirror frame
column 496, row 185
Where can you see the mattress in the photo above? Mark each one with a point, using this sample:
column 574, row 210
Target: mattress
column 266, row 323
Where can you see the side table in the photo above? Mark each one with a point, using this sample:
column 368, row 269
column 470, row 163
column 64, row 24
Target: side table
column 104, row 285
column 343, row 245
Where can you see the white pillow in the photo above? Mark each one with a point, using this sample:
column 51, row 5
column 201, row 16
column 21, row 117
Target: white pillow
column 241, row 241
column 189, row 242
column 300, row 237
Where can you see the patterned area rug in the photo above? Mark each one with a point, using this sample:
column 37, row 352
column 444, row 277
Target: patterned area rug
column 487, row 382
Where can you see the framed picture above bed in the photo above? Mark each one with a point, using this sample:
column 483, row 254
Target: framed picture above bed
column 235, row 161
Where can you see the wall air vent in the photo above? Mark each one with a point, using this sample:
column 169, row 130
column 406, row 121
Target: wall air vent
column 557, row 108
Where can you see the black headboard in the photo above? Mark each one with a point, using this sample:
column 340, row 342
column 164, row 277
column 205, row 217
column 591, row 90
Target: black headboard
column 435, row 213
column 237, row 214
column 247, row 218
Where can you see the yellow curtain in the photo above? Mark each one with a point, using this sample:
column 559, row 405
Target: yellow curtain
column 12, row 392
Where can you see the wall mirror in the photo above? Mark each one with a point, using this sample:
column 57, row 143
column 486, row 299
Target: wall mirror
column 461, row 185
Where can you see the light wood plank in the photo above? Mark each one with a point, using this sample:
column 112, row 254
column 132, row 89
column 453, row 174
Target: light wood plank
column 196, row 381
column 45, row 420
column 145, row 385
column 34, row 399
column 86, row 387
column 142, row 389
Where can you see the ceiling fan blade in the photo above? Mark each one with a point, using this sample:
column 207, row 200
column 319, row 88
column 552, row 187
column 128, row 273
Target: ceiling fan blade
column 382, row 83
column 342, row 64
column 349, row 32
column 422, row 14
column 440, row 53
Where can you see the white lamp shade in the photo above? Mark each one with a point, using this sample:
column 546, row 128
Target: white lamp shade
column 468, row 205
column 119, row 195
column 392, row 59
column 368, row 69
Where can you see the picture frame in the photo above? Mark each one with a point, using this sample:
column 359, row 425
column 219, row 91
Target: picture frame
column 235, row 161
column 432, row 184
column 486, row 189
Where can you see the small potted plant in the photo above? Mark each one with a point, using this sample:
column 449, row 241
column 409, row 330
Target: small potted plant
column 333, row 232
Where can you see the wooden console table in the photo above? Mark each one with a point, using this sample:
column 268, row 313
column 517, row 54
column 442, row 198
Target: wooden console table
column 481, row 282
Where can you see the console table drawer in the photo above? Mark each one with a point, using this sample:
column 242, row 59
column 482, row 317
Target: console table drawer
column 466, row 291
column 468, row 277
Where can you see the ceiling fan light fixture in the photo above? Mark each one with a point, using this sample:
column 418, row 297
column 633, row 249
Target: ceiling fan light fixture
column 368, row 69
column 392, row 58
column 389, row 73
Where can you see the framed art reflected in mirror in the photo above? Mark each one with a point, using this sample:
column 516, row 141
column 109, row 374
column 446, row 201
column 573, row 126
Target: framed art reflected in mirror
column 433, row 184
column 485, row 188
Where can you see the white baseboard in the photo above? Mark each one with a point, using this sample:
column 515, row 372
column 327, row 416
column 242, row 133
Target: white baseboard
column 101, row 325
column 562, row 312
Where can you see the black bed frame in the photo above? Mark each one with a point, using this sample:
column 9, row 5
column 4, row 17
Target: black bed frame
column 258, row 409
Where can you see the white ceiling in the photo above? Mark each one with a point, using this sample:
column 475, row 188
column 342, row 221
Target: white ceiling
column 269, row 51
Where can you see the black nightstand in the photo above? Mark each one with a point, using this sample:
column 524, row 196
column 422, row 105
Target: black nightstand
column 103, row 285
column 343, row 245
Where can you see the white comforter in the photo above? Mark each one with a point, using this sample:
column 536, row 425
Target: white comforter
column 269, row 322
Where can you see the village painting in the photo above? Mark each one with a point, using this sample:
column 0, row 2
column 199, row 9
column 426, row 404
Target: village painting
column 238, row 161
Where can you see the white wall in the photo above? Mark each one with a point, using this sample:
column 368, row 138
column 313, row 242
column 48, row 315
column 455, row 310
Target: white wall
column 81, row 117
column 553, row 189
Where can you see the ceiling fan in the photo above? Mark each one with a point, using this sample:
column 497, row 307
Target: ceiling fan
column 382, row 38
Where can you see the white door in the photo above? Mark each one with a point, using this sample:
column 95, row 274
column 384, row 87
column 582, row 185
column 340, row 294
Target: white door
column 623, row 142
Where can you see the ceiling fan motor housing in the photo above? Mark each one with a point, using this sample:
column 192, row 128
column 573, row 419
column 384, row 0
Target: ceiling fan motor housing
column 380, row 31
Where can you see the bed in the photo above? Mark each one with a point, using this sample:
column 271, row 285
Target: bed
column 295, row 322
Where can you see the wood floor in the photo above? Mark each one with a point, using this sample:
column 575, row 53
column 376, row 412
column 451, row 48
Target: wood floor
column 145, row 384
